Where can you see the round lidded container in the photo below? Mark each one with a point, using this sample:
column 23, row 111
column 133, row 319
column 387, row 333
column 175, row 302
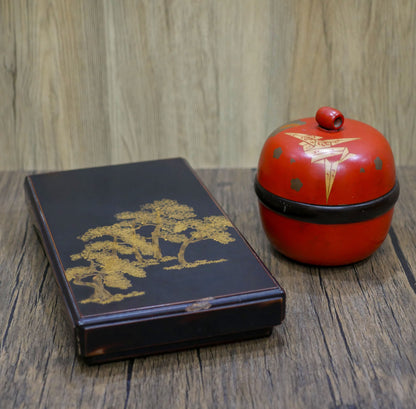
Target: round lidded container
column 326, row 188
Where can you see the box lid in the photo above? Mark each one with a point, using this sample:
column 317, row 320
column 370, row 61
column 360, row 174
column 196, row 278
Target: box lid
column 142, row 249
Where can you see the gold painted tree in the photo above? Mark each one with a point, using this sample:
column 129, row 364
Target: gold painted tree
column 163, row 215
column 126, row 248
column 209, row 228
column 125, row 238
column 105, row 269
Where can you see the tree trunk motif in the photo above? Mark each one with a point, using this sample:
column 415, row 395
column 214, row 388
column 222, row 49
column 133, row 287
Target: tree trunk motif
column 181, row 253
column 100, row 294
column 138, row 256
column 157, row 254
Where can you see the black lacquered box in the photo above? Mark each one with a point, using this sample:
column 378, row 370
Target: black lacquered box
column 147, row 262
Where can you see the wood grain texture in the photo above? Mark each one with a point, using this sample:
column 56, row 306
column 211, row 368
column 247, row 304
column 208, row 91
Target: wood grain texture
column 87, row 83
column 348, row 340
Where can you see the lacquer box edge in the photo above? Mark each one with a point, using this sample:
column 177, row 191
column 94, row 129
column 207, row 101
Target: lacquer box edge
column 165, row 327
column 46, row 239
column 190, row 326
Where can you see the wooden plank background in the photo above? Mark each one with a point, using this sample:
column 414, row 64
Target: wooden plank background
column 85, row 83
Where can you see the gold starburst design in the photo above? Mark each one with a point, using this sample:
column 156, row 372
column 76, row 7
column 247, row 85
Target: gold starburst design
column 321, row 151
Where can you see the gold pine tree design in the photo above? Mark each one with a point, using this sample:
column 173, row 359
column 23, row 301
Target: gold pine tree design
column 115, row 252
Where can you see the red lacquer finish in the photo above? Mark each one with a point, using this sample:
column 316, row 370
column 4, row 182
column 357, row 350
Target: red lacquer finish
column 329, row 118
column 331, row 165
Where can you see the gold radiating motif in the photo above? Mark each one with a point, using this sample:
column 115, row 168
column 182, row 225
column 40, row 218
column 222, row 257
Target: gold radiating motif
column 127, row 247
column 321, row 151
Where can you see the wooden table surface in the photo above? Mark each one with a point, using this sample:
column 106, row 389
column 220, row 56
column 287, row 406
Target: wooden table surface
column 348, row 340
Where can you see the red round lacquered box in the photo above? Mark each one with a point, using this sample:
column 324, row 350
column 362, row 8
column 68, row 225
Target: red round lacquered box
column 326, row 188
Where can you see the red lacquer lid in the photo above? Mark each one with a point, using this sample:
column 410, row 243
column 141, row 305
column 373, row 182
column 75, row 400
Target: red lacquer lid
column 327, row 160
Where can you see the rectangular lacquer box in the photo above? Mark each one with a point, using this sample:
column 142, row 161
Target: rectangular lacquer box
column 147, row 261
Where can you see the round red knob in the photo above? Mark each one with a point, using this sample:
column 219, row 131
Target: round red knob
column 329, row 118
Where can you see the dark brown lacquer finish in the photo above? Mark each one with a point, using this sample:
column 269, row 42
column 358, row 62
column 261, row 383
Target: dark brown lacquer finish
column 147, row 262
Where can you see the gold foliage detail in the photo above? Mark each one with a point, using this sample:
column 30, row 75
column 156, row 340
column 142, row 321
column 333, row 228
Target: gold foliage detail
column 124, row 249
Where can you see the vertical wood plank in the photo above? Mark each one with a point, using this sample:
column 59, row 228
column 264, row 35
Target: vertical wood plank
column 162, row 78
column 358, row 57
column 87, row 83
column 59, row 92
